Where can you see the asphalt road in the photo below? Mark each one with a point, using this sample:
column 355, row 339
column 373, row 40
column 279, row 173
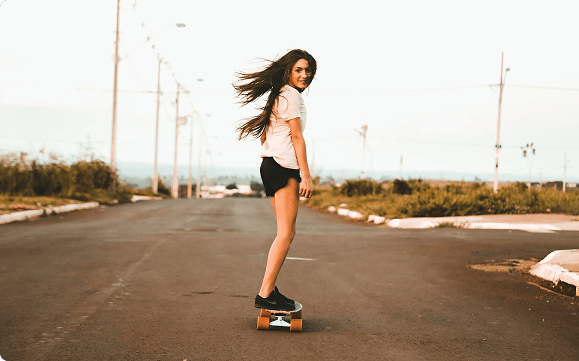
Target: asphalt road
column 175, row 280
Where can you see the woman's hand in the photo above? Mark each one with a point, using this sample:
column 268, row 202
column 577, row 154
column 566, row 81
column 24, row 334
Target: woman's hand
column 306, row 187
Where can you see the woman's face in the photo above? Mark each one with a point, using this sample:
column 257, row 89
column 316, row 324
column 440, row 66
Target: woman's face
column 300, row 75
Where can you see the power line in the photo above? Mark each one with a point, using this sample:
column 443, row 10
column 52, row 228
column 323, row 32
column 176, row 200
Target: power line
column 352, row 137
column 540, row 87
column 462, row 144
column 431, row 141
column 382, row 91
column 135, row 71
column 319, row 93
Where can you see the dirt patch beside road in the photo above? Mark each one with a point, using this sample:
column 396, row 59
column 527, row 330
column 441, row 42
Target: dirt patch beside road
column 509, row 265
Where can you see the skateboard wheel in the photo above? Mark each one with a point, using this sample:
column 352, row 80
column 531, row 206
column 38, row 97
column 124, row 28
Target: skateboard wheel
column 296, row 325
column 263, row 323
column 264, row 313
column 297, row 314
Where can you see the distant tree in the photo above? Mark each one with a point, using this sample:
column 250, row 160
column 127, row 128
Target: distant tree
column 231, row 186
column 162, row 189
column 256, row 186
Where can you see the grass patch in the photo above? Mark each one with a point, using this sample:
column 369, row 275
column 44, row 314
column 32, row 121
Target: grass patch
column 415, row 198
column 446, row 225
column 10, row 204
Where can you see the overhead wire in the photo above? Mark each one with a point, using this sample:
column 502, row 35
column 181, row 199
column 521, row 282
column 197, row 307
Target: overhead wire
column 134, row 70
column 321, row 93
column 540, row 87
column 426, row 141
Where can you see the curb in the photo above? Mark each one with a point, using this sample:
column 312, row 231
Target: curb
column 137, row 198
column 21, row 216
column 514, row 226
column 551, row 269
column 529, row 227
column 346, row 212
column 463, row 222
column 466, row 222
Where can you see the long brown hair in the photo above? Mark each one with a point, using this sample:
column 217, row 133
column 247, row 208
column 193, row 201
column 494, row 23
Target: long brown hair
column 251, row 86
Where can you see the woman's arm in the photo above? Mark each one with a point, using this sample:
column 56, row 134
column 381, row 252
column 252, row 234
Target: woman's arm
column 306, row 186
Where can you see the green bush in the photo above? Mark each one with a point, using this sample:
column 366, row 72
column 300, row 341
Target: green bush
column 162, row 188
column 362, row 187
column 400, row 186
column 79, row 196
column 124, row 194
column 83, row 180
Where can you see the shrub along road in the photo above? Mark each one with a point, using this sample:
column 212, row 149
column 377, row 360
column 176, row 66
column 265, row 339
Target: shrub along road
column 175, row 280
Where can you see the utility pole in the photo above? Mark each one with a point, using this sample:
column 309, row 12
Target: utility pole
column 529, row 148
column 400, row 169
column 205, row 170
column 190, row 179
column 565, row 173
column 156, row 170
column 363, row 134
column 198, row 186
column 114, row 131
column 175, row 183
column 498, row 145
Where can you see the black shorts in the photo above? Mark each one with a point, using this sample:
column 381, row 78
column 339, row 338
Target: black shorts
column 275, row 177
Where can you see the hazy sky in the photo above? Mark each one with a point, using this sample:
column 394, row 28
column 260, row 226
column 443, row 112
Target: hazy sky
column 422, row 74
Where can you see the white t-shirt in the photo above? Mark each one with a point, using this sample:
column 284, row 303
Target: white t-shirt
column 278, row 143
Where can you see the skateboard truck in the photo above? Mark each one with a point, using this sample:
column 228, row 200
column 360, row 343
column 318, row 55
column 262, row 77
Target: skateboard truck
column 277, row 319
column 279, row 322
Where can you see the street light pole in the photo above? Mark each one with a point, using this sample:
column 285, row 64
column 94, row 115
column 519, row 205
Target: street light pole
column 498, row 145
column 155, row 185
column 175, row 183
column 114, row 130
column 198, row 185
column 190, row 179
column 530, row 151
column 565, row 173
column 363, row 134
column 156, row 171
column 400, row 169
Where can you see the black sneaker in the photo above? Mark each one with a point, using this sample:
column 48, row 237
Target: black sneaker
column 284, row 298
column 272, row 302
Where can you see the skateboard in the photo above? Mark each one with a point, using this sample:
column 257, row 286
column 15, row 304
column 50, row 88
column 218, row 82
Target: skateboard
column 273, row 319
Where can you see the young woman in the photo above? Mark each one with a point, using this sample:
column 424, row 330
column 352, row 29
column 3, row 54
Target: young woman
column 280, row 126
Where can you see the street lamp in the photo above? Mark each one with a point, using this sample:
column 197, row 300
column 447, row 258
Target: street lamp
column 155, row 185
column 114, row 130
column 175, row 180
column 565, row 172
column 363, row 134
column 498, row 145
column 198, row 184
column 529, row 150
column 114, row 127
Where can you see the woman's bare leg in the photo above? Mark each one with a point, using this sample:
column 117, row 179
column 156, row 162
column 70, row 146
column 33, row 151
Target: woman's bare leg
column 285, row 204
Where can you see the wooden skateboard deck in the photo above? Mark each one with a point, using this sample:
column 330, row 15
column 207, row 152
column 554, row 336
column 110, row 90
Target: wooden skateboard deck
column 273, row 319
